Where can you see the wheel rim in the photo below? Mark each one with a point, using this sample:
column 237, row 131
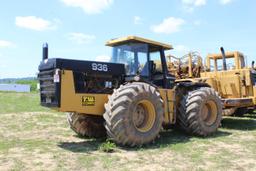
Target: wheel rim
column 209, row 112
column 144, row 116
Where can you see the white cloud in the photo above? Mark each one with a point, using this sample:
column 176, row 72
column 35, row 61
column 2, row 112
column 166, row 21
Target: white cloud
column 225, row 2
column 196, row 3
column 181, row 48
column 137, row 20
column 189, row 5
column 199, row 3
column 81, row 38
column 4, row 43
column 168, row 26
column 35, row 23
column 89, row 6
column 103, row 58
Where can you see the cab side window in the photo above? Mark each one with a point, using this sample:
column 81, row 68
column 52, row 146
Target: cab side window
column 156, row 58
column 157, row 69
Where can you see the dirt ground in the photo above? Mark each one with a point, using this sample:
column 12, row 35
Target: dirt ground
column 43, row 141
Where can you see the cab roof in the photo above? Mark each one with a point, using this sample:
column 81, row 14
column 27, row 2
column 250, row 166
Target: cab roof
column 134, row 39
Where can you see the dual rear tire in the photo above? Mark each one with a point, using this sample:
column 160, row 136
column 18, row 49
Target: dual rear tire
column 200, row 112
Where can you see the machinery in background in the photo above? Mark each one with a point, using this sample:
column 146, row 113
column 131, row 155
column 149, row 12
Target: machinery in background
column 233, row 80
column 188, row 66
column 226, row 73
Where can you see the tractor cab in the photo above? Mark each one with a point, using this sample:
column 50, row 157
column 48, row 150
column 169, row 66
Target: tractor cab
column 144, row 60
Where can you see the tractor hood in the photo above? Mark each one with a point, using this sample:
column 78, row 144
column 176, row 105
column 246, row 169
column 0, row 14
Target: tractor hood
column 89, row 67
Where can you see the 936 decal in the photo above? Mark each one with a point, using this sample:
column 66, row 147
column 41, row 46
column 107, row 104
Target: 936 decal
column 99, row 67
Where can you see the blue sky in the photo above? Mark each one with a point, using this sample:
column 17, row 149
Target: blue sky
column 78, row 29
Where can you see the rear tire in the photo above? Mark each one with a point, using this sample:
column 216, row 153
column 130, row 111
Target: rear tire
column 200, row 112
column 86, row 125
column 134, row 114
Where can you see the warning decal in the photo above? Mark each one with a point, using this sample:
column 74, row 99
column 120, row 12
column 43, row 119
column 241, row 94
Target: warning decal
column 88, row 100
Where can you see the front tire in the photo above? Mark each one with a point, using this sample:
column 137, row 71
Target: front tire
column 134, row 114
column 200, row 112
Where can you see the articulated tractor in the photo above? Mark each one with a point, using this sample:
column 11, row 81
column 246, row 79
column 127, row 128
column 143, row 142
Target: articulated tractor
column 130, row 98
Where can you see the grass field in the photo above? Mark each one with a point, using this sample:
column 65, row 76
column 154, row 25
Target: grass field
column 35, row 138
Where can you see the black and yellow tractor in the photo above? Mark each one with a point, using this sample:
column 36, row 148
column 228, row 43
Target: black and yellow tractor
column 131, row 98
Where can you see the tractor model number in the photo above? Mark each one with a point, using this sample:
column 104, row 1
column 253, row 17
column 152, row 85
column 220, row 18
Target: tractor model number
column 99, row 67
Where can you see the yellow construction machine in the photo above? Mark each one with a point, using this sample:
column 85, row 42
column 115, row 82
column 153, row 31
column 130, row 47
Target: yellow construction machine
column 227, row 73
column 188, row 66
column 131, row 97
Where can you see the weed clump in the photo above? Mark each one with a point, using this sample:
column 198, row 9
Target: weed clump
column 108, row 147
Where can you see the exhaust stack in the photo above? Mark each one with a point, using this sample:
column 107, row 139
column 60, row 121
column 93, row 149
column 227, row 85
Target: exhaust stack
column 223, row 58
column 45, row 51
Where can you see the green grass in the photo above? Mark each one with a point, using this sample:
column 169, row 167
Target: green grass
column 35, row 138
column 12, row 102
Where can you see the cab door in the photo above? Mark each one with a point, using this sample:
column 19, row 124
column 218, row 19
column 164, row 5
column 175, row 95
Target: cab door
column 165, row 83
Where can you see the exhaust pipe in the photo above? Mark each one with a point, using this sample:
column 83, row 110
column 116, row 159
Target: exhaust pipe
column 223, row 59
column 45, row 51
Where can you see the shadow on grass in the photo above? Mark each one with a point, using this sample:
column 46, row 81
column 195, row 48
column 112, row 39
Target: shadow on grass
column 174, row 136
column 82, row 147
column 251, row 115
column 167, row 138
column 246, row 123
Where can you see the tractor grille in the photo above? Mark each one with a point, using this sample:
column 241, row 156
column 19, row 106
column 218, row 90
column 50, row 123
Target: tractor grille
column 49, row 90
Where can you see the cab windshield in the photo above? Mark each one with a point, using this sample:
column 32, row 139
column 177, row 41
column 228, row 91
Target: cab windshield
column 133, row 56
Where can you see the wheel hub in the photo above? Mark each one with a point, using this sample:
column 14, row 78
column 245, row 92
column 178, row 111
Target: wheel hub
column 209, row 112
column 139, row 115
column 144, row 116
